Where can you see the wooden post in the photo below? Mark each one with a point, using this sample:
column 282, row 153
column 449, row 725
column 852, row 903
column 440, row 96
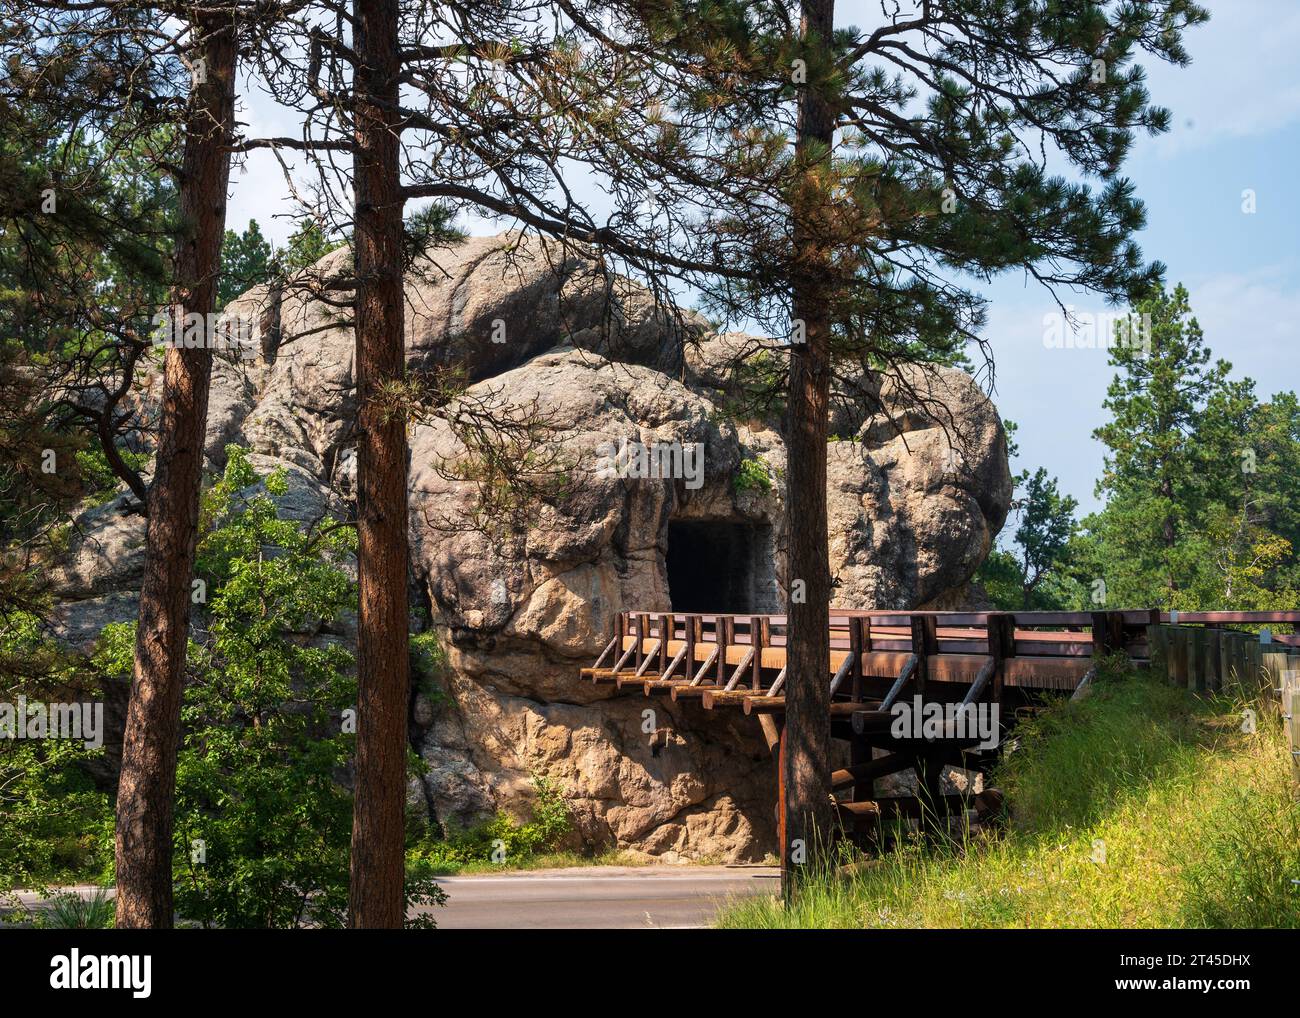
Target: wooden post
column 640, row 637
column 1275, row 666
column 925, row 642
column 784, row 851
column 726, row 631
column 1293, row 743
column 757, row 642
column 1196, row 659
column 1118, row 635
column 864, row 788
column 1156, row 651
column 1100, row 635
column 1001, row 645
column 621, row 625
column 1213, row 678
column 930, row 766
column 855, row 655
column 1178, row 653
column 692, row 634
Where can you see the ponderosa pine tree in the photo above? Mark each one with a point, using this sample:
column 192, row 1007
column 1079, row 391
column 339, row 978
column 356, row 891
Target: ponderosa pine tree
column 831, row 180
column 494, row 122
column 146, row 788
column 859, row 177
column 1198, row 479
column 1154, row 473
column 111, row 51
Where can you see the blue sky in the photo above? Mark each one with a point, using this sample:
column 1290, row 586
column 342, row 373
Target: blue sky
column 1236, row 126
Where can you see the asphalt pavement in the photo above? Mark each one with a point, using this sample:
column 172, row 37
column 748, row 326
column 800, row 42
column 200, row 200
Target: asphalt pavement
column 599, row 897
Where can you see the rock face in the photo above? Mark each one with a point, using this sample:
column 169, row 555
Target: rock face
column 523, row 594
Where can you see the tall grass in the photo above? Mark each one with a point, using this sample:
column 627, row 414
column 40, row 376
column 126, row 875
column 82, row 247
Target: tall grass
column 1141, row 806
column 71, row 911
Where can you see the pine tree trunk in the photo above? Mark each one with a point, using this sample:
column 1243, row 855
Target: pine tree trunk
column 146, row 791
column 376, row 892
column 807, row 765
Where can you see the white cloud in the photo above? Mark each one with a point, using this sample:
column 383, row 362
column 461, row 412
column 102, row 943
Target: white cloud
column 1253, row 320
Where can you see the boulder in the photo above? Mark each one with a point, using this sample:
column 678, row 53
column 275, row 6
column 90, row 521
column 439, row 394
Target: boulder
column 580, row 374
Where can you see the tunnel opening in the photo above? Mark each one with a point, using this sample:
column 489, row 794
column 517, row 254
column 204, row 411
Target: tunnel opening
column 717, row 566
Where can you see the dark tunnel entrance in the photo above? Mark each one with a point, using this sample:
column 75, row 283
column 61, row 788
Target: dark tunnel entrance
column 716, row 566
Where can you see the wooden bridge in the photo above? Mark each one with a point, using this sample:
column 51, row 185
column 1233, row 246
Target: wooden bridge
column 985, row 667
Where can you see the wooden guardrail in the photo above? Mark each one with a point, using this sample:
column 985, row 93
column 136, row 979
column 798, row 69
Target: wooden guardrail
column 1195, row 651
column 1006, row 663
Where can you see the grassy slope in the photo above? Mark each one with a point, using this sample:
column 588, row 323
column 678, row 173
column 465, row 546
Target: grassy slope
column 1197, row 820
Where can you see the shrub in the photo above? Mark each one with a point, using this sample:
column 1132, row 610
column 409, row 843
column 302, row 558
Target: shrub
column 502, row 839
column 752, row 475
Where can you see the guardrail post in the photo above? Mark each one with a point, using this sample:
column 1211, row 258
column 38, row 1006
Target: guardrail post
column 1293, row 742
column 620, row 626
column 855, row 658
column 1213, row 680
column 640, row 637
column 726, row 632
column 1100, row 635
column 1157, row 650
column 1001, row 645
column 925, row 642
column 667, row 628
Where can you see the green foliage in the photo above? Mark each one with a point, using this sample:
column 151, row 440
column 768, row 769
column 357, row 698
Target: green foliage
column 752, row 475
column 55, row 824
column 246, row 261
column 263, row 822
column 502, row 839
column 1034, row 574
column 307, row 245
column 943, row 168
column 999, row 577
column 433, row 225
column 1139, row 806
column 1200, row 479
column 71, row 911
column 428, row 664
column 263, row 815
column 98, row 480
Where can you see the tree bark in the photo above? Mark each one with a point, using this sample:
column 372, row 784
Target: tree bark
column 146, row 792
column 807, row 762
column 376, row 898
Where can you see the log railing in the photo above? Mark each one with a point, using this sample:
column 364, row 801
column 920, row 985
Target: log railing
column 722, row 658
column 880, row 660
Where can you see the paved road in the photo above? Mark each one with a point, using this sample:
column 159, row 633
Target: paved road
column 598, row 897
column 585, row 897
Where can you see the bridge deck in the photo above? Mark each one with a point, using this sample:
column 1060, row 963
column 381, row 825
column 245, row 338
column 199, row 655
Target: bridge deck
column 879, row 660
